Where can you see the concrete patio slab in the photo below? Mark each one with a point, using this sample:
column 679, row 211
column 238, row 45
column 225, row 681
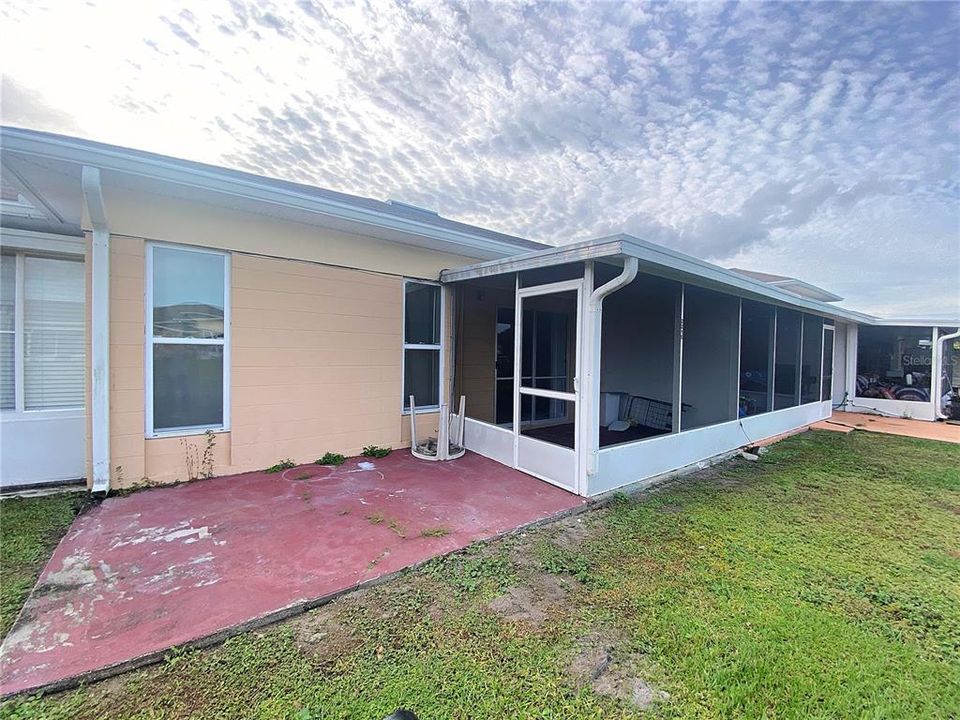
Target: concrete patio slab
column 192, row 564
column 849, row 421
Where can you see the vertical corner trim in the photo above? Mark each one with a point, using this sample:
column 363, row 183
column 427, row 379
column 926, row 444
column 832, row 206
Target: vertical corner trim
column 99, row 329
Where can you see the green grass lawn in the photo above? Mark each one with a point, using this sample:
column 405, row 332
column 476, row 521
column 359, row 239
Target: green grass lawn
column 30, row 529
column 821, row 582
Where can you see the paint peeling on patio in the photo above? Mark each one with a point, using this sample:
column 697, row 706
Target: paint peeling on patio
column 170, row 566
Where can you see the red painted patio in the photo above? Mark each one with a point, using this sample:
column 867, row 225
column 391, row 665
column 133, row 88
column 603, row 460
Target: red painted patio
column 140, row 574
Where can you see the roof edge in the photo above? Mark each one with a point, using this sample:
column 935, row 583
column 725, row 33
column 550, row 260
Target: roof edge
column 237, row 183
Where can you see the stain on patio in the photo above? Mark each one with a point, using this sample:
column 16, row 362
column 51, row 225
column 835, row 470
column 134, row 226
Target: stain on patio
column 166, row 567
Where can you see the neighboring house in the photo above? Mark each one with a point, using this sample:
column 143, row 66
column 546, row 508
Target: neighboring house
column 148, row 300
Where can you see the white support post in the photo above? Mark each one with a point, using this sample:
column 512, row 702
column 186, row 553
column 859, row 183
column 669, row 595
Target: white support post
column 592, row 327
column 935, row 372
column 443, row 433
column 940, row 352
column 588, row 422
column 677, row 418
column 850, row 375
column 735, row 362
column 99, row 330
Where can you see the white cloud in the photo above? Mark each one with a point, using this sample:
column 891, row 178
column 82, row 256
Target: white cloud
column 755, row 133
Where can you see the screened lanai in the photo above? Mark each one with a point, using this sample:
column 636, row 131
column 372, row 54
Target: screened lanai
column 605, row 363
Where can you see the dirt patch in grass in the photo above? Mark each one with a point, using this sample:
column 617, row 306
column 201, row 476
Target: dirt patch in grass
column 602, row 664
column 323, row 635
column 532, row 601
column 574, row 532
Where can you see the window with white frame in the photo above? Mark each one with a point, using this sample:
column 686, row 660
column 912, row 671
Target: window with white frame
column 421, row 343
column 42, row 332
column 188, row 339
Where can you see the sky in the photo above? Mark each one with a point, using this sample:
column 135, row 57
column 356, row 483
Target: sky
column 814, row 140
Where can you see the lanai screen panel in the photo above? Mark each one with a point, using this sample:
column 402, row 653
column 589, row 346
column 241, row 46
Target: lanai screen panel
column 639, row 367
column 710, row 357
column 756, row 358
column 484, row 345
column 786, row 383
column 811, row 359
column 483, row 356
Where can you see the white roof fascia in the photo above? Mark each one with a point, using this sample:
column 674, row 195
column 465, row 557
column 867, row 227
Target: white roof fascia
column 654, row 256
column 208, row 178
column 560, row 255
column 917, row 322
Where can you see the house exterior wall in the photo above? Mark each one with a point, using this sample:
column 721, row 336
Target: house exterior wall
column 316, row 350
column 160, row 217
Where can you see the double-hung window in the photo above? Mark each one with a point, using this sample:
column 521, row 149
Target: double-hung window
column 188, row 340
column 422, row 359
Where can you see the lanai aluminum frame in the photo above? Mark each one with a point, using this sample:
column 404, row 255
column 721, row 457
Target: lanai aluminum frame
column 587, row 469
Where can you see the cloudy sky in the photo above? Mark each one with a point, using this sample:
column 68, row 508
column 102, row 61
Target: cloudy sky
column 819, row 141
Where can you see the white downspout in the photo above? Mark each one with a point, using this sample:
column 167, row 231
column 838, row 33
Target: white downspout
column 938, row 375
column 99, row 329
column 593, row 324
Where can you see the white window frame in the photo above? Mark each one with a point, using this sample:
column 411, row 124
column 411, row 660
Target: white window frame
column 38, row 248
column 150, row 341
column 439, row 347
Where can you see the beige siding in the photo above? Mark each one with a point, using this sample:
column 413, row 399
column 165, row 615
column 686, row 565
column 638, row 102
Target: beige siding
column 316, row 356
column 127, row 448
column 316, row 366
column 316, row 347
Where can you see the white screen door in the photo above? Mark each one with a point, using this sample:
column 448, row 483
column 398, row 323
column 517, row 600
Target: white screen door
column 546, row 398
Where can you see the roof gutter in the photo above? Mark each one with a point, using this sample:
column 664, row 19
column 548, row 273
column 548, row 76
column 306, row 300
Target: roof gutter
column 99, row 329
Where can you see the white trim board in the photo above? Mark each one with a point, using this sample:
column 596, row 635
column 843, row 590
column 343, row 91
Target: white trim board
column 42, row 242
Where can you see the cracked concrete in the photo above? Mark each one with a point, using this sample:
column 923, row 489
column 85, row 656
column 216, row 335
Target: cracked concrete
column 174, row 566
